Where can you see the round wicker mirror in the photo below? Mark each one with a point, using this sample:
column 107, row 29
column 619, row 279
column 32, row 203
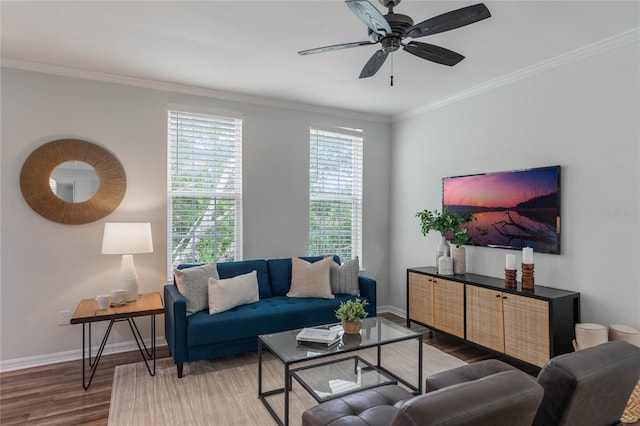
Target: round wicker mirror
column 37, row 188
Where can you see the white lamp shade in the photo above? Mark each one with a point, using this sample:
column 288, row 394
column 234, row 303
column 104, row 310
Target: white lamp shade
column 127, row 238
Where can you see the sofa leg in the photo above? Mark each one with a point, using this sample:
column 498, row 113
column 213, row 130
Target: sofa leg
column 179, row 367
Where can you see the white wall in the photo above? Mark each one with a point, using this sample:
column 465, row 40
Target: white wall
column 47, row 267
column 583, row 116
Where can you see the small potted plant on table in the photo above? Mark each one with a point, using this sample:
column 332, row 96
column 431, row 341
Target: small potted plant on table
column 351, row 313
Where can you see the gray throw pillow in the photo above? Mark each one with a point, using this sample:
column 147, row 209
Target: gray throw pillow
column 193, row 284
column 232, row 292
column 344, row 278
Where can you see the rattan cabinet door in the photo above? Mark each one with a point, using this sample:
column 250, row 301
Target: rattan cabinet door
column 526, row 328
column 485, row 323
column 420, row 298
column 448, row 306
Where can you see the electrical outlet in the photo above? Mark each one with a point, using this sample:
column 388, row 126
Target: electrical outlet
column 64, row 317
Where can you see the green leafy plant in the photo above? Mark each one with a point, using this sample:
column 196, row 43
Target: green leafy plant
column 445, row 221
column 352, row 310
column 460, row 237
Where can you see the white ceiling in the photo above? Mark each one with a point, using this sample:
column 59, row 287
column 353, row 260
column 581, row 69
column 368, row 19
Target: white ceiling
column 249, row 47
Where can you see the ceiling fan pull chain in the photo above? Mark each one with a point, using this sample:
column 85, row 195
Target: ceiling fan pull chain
column 391, row 70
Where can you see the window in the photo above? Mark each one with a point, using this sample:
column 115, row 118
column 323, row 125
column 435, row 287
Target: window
column 204, row 188
column 335, row 192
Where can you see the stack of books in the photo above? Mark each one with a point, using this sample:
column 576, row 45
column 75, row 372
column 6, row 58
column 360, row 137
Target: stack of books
column 319, row 337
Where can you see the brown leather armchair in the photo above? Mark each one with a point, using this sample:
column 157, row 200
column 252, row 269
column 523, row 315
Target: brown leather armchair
column 507, row 398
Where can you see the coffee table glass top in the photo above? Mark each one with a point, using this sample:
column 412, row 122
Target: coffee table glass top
column 375, row 331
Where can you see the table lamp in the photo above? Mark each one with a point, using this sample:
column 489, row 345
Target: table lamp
column 127, row 239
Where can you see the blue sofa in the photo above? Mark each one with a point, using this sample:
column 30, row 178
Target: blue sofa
column 204, row 336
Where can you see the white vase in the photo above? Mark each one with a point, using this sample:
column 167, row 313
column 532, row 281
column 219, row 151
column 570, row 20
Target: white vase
column 445, row 265
column 459, row 255
column 441, row 248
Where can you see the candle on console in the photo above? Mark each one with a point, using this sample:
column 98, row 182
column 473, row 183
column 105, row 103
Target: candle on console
column 511, row 262
column 527, row 255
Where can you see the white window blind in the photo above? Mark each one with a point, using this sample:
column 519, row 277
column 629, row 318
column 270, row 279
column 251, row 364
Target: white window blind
column 204, row 188
column 335, row 186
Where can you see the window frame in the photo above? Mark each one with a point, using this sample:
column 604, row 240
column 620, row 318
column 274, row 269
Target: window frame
column 356, row 144
column 213, row 194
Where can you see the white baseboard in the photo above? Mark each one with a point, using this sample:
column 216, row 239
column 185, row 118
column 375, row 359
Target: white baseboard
column 393, row 310
column 74, row 355
column 113, row 348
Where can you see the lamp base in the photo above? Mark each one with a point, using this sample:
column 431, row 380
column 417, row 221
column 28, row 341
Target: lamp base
column 128, row 279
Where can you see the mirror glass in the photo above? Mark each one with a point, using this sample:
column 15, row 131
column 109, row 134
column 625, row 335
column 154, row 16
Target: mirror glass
column 74, row 181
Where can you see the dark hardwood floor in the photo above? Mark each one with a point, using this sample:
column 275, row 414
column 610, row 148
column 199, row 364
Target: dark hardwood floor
column 53, row 394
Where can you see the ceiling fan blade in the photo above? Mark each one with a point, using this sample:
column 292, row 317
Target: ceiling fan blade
column 334, row 47
column 449, row 21
column 433, row 53
column 370, row 15
column 373, row 65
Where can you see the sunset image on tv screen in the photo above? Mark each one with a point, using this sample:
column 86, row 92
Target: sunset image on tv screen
column 511, row 209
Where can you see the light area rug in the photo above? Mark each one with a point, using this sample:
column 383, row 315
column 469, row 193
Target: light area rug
column 224, row 391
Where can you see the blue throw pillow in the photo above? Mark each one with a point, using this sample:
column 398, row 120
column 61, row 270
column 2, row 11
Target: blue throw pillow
column 233, row 269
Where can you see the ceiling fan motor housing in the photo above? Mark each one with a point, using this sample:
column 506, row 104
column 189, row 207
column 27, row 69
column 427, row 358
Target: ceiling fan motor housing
column 399, row 24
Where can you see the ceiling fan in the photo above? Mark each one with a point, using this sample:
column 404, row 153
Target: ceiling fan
column 391, row 29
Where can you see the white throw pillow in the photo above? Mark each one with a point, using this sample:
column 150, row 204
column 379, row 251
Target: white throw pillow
column 232, row 292
column 192, row 284
column 310, row 279
column 344, row 278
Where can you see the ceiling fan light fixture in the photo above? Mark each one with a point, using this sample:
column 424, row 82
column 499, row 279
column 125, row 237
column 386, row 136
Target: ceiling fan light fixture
column 390, row 44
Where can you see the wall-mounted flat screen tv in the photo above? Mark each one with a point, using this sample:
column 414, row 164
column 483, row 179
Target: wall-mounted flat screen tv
column 514, row 209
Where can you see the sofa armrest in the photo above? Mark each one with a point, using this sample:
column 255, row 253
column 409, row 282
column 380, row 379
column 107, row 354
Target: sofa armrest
column 368, row 290
column 175, row 323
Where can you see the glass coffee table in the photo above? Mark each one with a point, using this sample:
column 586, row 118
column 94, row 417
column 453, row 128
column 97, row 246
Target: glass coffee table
column 340, row 375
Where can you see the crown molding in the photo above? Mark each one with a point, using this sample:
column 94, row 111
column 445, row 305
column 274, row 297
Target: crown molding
column 602, row 46
column 189, row 90
column 622, row 39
